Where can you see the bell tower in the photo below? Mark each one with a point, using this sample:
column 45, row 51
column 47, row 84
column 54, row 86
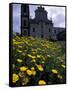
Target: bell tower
column 24, row 20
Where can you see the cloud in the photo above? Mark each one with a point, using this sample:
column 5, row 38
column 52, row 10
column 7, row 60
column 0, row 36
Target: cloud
column 57, row 14
column 16, row 17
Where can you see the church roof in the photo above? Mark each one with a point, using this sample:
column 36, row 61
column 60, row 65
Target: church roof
column 34, row 21
column 40, row 9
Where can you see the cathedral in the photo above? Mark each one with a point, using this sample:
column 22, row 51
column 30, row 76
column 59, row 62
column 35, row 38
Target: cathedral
column 40, row 26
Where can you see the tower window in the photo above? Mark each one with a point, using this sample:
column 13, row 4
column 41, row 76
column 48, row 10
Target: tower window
column 41, row 25
column 33, row 29
column 24, row 9
column 25, row 23
column 42, row 35
column 49, row 30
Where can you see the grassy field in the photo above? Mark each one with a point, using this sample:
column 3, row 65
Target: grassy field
column 38, row 61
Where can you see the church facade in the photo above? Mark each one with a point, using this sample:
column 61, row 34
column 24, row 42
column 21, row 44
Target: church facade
column 40, row 26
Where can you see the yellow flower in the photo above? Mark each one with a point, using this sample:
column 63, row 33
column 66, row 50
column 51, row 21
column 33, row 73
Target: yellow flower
column 25, row 81
column 19, row 51
column 29, row 72
column 43, row 58
column 40, row 68
column 54, row 71
column 48, row 55
column 33, row 72
column 15, row 78
column 59, row 76
column 63, row 65
column 29, row 55
column 42, row 82
column 14, row 40
column 19, row 60
column 38, row 56
column 33, row 52
column 20, row 46
column 38, row 48
column 33, row 57
column 33, row 60
column 32, row 68
column 43, row 62
column 23, row 68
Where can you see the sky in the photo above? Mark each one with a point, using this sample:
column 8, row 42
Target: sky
column 56, row 13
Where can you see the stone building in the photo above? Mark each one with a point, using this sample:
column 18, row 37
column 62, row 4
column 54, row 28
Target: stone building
column 40, row 26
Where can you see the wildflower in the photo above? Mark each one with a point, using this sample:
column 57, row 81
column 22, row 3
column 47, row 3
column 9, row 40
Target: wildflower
column 20, row 46
column 42, row 82
column 29, row 55
column 43, row 62
column 63, row 65
column 33, row 52
column 40, row 68
column 23, row 68
column 19, row 60
column 32, row 68
column 38, row 48
column 15, row 78
column 38, row 56
column 33, row 60
column 14, row 40
column 33, row 57
column 59, row 76
column 19, row 51
column 43, row 58
column 33, row 72
column 54, row 71
column 29, row 72
column 48, row 55
column 25, row 81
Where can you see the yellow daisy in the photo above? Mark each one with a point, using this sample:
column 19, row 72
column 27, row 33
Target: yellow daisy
column 40, row 68
column 55, row 71
column 63, row 65
column 15, row 78
column 29, row 72
column 59, row 76
column 42, row 82
column 23, row 68
column 19, row 60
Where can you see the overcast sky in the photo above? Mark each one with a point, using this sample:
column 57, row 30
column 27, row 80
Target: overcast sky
column 56, row 13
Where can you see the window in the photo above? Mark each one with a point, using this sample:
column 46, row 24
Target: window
column 24, row 9
column 54, row 31
column 25, row 23
column 33, row 29
column 42, row 25
column 49, row 30
column 25, row 32
column 42, row 36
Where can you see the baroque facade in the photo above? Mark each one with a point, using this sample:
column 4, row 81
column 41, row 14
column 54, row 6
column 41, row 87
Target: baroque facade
column 40, row 26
